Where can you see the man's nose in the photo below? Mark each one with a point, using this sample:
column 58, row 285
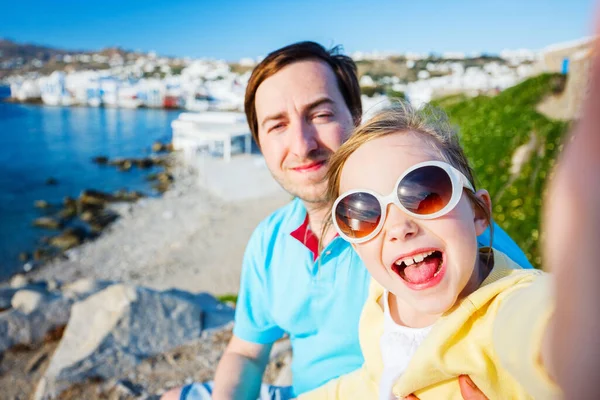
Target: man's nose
column 302, row 138
column 399, row 226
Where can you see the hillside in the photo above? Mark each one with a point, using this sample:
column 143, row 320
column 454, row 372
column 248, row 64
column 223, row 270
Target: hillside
column 512, row 148
column 19, row 58
column 28, row 52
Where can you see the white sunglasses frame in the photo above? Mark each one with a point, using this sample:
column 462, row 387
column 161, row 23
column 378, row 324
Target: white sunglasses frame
column 457, row 178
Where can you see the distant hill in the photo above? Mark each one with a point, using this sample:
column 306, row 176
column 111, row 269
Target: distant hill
column 24, row 57
column 512, row 149
column 28, row 52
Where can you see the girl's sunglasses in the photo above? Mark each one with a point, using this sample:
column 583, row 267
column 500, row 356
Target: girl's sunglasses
column 426, row 190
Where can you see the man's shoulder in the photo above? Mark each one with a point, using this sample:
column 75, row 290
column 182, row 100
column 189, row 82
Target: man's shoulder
column 288, row 217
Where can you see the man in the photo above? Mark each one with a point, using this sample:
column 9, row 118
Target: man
column 301, row 102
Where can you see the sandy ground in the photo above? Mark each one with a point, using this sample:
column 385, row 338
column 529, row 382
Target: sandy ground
column 192, row 238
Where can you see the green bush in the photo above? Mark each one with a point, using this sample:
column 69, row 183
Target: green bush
column 370, row 91
column 394, row 94
column 230, row 298
column 491, row 129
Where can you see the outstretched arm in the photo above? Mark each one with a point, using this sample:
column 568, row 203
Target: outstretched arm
column 572, row 227
column 553, row 335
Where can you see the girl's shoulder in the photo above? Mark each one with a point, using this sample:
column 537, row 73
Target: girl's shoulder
column 505, row 278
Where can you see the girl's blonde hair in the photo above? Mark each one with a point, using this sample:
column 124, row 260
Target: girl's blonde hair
column 429, row 122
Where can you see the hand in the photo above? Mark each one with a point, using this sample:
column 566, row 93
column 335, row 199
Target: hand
column 468, row 390
column 571, row 225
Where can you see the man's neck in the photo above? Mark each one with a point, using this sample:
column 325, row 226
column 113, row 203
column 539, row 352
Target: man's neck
column 317, row 215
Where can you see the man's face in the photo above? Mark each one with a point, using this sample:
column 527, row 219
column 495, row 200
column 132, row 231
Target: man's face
column 302, row 119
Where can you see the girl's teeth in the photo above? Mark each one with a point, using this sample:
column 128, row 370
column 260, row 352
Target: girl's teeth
column 415, row 259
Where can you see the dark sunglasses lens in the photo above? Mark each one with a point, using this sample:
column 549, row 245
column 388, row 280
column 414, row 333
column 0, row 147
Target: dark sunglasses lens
column 425, row 190
column 358, row 214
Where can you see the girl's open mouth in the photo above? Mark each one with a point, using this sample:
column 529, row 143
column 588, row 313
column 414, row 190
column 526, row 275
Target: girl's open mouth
column 421, row 271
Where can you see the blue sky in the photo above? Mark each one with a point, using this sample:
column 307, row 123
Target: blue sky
column 245, row 28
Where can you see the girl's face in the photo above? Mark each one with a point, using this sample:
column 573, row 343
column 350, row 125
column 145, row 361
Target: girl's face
column 446, row 245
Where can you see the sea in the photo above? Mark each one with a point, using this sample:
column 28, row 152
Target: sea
column 41, row 143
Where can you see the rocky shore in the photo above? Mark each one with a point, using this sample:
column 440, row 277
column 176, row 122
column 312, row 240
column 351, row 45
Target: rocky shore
column 84, row 218
column 125, row 316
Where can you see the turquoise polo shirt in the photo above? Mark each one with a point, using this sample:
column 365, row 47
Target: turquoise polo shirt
column 317, row 301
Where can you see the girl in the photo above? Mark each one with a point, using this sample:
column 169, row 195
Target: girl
column 439, row 307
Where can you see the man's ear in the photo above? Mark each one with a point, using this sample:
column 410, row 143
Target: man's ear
column 481, row 222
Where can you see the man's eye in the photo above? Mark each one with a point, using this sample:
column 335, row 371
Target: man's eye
column 276, row 127
column 323, row 116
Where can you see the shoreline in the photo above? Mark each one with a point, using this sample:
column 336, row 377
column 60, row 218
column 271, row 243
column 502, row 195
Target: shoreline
column 40, row 102
column 190, row 238
column 84, row 218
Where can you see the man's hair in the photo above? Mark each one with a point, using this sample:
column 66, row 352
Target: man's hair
column 343, row 67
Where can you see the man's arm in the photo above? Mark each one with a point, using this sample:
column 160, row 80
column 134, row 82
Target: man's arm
column 239, row 373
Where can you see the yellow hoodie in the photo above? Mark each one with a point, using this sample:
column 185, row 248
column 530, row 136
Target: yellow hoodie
column 493, row 335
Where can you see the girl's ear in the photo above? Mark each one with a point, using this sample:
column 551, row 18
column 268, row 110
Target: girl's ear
column 481, row 220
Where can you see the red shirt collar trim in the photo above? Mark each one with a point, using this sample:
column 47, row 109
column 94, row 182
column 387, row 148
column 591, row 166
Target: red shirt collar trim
column 306, row 236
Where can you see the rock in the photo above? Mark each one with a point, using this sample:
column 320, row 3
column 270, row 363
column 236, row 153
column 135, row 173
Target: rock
column 111, row 331
column 39, row 254
column 70, row 202
column 27, row 301
column 68, row 239
column 90, row 197
column 48, row 223
column 67, row 213
column 41, row 204
column 6, row 295
column 51, row 181
column 125, row 387
column 36, row 361
column 42, row 254
column 280, row 348
column 65, row 241
column 144, row 163
column 152, row 177
column 216, row 314
column 19, row 281
column 84, row 287
column 43, row 314
column 284, row 378
column 100, row 160
column 100, row 221
column 52, row 285
column 123, row 195
column 161, row 161
column 71, row 208
column 158, row 147
column 161, row 187
column 87, row 216
column 125, row 166
column 164, row 177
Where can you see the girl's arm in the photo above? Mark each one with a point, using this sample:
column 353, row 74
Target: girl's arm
column 550, row 332
column 572, row 228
